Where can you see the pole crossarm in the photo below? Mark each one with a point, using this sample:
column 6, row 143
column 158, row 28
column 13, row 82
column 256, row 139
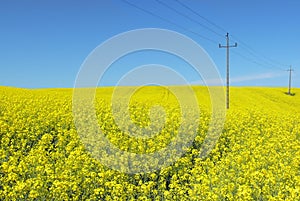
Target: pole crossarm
column 225, row 46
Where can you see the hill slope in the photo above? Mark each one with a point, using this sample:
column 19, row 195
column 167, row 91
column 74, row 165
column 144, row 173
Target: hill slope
column 257, row 156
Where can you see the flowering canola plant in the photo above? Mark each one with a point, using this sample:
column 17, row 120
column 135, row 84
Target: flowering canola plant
column 257, row 157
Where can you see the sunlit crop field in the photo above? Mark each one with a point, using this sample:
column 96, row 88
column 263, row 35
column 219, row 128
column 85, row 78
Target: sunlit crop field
column 257, row 156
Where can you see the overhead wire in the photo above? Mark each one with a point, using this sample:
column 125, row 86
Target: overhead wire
column 268, row 62
column 259, row 60
column 202, row 17
column 170, row 22
column 189, row 18
column 259, row 55
column 255, row 62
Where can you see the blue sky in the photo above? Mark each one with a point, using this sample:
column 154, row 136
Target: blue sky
column 44, row 43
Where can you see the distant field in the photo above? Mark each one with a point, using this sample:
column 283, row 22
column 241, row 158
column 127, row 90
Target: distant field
column 256, row 158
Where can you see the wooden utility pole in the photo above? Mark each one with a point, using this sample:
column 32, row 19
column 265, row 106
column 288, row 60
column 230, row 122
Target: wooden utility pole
column 227, row 46
column 290, row 80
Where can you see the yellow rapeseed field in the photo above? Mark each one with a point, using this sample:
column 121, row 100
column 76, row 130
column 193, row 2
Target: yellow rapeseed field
column 257, row 156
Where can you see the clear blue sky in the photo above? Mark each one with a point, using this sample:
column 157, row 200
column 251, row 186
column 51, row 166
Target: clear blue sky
column 44, row 43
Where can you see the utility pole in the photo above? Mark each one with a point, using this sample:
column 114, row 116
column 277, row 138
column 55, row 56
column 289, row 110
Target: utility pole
column 290, row 80
column 227, row 46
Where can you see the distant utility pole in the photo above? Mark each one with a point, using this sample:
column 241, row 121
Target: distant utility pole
column 290, row 80
column 227, row 46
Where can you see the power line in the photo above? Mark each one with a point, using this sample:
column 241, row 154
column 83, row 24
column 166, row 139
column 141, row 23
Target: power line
column 258, row 56
column 255, row 62
column 202, row 17
column 191, row 19
column 170, row 22
column 257, row 59
column 263, row 62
